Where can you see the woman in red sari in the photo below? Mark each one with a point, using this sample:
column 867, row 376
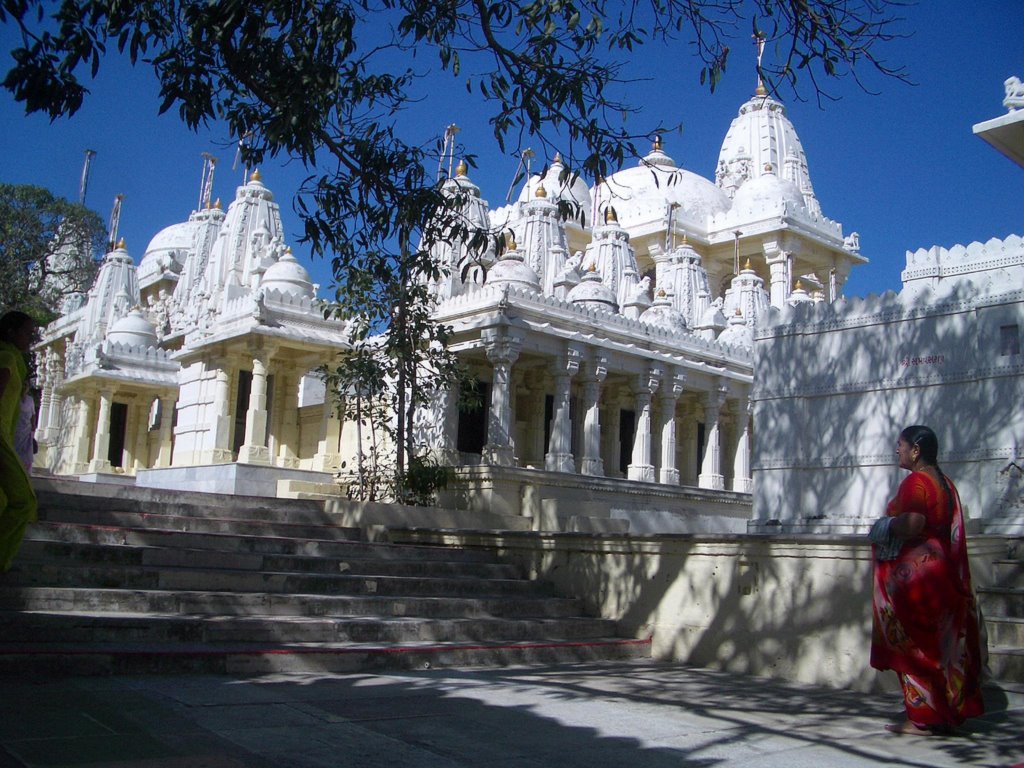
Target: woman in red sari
column 925, row 618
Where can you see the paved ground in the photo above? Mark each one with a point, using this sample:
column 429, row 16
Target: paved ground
column 619, row 714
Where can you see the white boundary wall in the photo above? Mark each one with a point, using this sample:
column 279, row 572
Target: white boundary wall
column 834, row 384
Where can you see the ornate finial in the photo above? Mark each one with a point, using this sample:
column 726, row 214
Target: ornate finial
column 799, row 286
column 769, row 168
column 510, row 240
column 217, row 204
column 461, row 169
column 593, row 267
column 558, row 158
column 747, row 265
column 256, row 176
column 657, row 146
column 661, row 293
column 738, row 312
column 120, row 245
column 759, row 41
column 541, row 192
column 610, row 216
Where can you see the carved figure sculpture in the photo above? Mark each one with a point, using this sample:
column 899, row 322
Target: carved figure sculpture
column 1014, row 94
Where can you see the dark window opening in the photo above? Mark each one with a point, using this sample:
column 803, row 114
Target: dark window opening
column 241, row 408
column 1009, row 340
column 549, row 415
column 627, row 430
column 701, row 436
column 118, row 430
column 473, row 410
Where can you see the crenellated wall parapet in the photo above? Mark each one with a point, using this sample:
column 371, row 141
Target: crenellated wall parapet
column 878, row 309
column 992, row 266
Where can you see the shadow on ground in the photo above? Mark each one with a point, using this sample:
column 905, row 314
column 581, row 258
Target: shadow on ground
column 592, row 715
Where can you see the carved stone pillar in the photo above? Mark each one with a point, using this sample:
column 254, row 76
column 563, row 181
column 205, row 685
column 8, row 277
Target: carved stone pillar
column 668, row 396
column 254, row 447
column 779, row 265
column 328, row 457
column 559, row 457
column 596, row 371
column 163, row 456
column 48, row 426
column 101, row 443
column 644, row 387
column 502, row 351
column 711, row 467
column 80, row 449
column 223, row 415
column 47, row 383
column 136, row 445
column 447, row 452
column 837, row 279
column 741, row 480
column 286, row 417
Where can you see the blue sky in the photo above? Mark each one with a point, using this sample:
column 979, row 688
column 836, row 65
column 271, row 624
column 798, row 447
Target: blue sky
column 900, row 165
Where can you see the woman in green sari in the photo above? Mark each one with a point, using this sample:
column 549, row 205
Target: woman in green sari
column 17, row 499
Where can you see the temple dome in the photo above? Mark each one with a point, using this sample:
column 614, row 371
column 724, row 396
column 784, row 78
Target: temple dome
column 738, row 333
column 559, row 183
column 592, row 292
column 662, row 314
column 133, row 330
column 166, row 252
column 767, row 193
column 510, row 269
column 287, row 276
column 643, row 193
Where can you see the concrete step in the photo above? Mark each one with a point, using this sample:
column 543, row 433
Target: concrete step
column 1009, row 573
column 178, row 532
column 1006, row 663
column 265, row 658
column 57, row 493
column 115, row 579
column 168, row 556
column 105, row 601
column 45, row 627
column 206, row 524
column 69, row 574
column 1001, row 601
column 1005, row 631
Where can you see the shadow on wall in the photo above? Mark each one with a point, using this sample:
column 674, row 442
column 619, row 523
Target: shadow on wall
column 790, row 607
column 835, row 384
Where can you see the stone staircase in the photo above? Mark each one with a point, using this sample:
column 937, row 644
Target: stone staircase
column 114, row 579
column 1002, row 606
